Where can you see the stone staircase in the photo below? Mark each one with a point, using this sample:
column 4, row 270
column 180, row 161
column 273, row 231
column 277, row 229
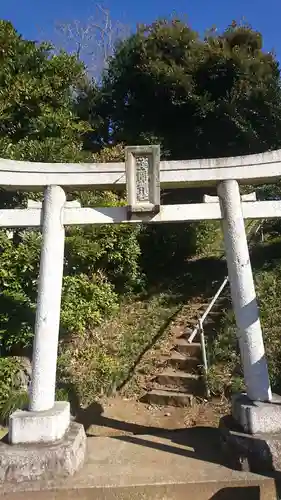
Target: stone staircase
column 180, row 377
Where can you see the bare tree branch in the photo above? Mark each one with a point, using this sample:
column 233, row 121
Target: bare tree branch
column 92, row 41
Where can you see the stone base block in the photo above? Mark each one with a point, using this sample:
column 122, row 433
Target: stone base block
column 39, row 427
column 20, row 463
column 255, row 416
column 259, row 453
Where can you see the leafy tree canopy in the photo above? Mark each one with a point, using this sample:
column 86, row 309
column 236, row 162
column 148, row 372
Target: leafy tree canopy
column 199, row 98
column 37, row 90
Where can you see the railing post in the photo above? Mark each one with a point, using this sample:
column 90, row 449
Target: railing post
column 204, row 356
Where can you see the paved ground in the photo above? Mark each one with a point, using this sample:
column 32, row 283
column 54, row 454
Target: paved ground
column 138, row 452
column 177, row 465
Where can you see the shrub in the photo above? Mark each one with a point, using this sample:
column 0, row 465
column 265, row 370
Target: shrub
column 86, row 302
column 9, row 368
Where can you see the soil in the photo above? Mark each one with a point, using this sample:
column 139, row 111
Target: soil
column 119, row 416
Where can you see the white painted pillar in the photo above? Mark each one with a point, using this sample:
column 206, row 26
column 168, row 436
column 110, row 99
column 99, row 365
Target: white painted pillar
column 243, row 294
column 45, row 347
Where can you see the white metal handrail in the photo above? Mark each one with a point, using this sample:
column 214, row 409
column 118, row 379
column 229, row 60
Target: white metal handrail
column 210, row 306
column 199, row 328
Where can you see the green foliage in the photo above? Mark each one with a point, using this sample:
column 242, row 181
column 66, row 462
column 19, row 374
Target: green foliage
column 98, row 260
column 225, row 374
column 18, row 282
column 39, row 123
column 86, row 302
column 9, row 368
column 269, row 290
column 36, row 90
column 208, row 238
column 98, row 363
column 113, row 249
column 199, row 98
column 17, row 399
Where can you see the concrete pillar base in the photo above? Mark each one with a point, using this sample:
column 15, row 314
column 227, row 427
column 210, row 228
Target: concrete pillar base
column 22, row 463
column 258, row 453
column 26, row 427
column 256, row 416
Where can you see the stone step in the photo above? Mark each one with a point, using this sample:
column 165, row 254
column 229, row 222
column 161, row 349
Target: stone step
column 193, row 349
column 214, row 314
column 182, row 362
column 176, row 379
column 168, row 397
column 193, row 321
column 210, row 320
column 183, row 332
column 185, row 336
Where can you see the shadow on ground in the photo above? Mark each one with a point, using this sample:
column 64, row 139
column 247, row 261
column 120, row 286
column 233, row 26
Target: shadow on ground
column 198, row 442
column 189, row 442
column 247, row 492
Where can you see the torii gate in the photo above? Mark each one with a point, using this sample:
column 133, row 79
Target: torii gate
column 48, row 421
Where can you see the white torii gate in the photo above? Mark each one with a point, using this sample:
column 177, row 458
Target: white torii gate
column 142, row 173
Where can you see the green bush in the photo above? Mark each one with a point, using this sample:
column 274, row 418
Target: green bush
column 9, row 368
column 19, row 266
column 114, row 249
column 17, row 400
column 87, row 300
column 99, row 261
column 268, row 285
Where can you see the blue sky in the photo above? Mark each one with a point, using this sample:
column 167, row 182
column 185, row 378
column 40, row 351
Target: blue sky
column 36, row 18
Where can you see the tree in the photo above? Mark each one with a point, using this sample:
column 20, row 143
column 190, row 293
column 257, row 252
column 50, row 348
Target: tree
column 93, row 41
column 37, row 91
column 38, row 122
column 200, row 98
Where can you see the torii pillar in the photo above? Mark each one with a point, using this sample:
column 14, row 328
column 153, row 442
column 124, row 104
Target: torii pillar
column 243, row 293
column 256, row 410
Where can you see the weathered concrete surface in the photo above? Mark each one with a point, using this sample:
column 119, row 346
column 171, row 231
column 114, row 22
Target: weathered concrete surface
column 47, row 320
column 20, row 463
column 256, row 416
column 27, row 427
column 176, row 466
column 259, row 453
column 248, row 169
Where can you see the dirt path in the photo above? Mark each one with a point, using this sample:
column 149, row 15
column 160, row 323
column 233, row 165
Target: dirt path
column 127, row 416
column 119, row 416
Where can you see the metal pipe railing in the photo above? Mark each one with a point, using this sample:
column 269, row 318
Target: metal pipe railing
column 209, row 308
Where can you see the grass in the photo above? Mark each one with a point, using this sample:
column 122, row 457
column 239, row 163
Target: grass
column 3, row 431
column 101, row 361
